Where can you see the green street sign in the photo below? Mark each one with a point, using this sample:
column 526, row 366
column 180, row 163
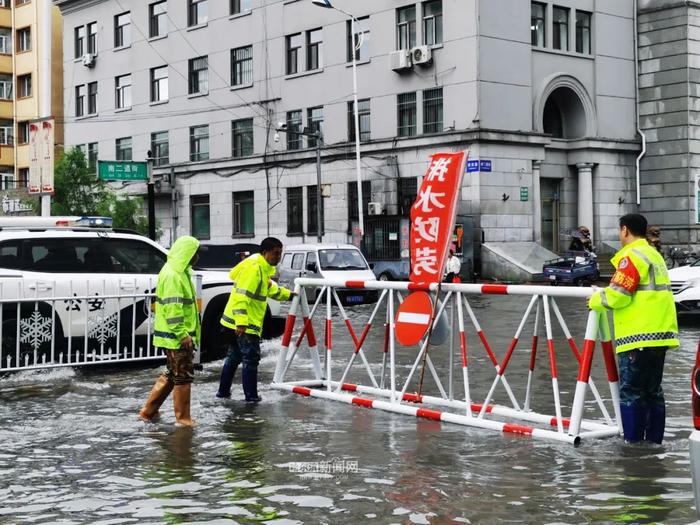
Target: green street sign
column 111, row 170
column 524, row 193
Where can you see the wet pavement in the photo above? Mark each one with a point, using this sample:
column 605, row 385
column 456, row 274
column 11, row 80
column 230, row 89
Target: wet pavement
column 73, row 450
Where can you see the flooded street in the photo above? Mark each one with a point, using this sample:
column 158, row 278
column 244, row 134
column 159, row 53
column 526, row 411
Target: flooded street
column 73, row 450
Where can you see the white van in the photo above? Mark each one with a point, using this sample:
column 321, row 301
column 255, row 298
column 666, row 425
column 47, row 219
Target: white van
column 328, row 261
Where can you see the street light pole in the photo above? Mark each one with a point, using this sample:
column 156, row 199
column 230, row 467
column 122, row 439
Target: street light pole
column 358, row 161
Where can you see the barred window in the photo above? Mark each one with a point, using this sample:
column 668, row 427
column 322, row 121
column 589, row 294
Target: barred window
column 432, row 110
column 407, row 112
column 242, row 66
column 295, row 210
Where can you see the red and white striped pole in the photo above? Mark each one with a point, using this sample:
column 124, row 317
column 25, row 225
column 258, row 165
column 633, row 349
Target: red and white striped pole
column 533, row 357
column 463, row 350
column 329, row 336
column 610, row 366
column 287, row 337
column 584, row 373
column 552, row 363
column 502, row 369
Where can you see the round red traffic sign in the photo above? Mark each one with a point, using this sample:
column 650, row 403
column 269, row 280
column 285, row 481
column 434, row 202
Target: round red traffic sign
column 413, row 318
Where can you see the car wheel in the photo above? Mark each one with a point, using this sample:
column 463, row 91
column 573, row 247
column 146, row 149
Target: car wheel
column 214, row 336
column 385, row 277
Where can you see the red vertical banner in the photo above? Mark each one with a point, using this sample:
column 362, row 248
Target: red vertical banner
column 433, row 216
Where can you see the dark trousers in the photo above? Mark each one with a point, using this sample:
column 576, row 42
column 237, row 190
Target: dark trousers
column 641, row 372
column 244, row 349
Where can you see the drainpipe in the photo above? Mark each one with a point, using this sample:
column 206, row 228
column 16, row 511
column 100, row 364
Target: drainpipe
column 15, row 126
column 45, row 79
column 636, row 105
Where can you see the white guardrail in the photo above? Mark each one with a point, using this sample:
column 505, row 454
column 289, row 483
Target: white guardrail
column 396, row 398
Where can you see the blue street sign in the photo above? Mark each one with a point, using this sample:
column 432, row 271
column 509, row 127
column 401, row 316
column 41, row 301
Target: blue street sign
column 472, row 166
column 485, row 165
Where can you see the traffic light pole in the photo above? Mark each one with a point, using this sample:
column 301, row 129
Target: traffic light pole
column 151, row 200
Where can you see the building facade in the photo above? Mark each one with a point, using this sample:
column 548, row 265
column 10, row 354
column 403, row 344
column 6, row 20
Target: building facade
column 543, row 94
column 31, row 78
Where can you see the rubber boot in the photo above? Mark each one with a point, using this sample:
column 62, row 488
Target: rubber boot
column 227, row 373
column 633, row 422
column 181, row 400
column 159, row 393
column 250, row 385
column 656, row 424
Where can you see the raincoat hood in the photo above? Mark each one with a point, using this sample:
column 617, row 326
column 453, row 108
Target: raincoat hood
column 181, row 252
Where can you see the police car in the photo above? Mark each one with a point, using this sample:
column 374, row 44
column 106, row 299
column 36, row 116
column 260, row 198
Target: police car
column 81, row 257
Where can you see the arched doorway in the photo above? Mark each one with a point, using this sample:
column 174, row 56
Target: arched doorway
column 564, row 116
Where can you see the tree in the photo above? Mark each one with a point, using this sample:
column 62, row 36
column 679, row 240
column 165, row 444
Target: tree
column 77, row 191
column 126, row 212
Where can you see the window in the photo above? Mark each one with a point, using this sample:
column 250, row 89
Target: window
column 159, row 84
column 432, row 22
column 432, row 110
column 21, row 2
column 583, row 32
column 293, row 47
column 6, row 133
column 312, row 210
column 79, row 41
column 298, row 261
column 314, row 123
column 243, row 213
column 5, row 4
column 196, row 12
column 92, row 98
column 294, row 140
column 80, row 100
column 295, row 211
column 5, row 40
column 352, row 200
column 123, row 148
column 242, row 66
column 122, row 86
column 407, row 189
column 538, row 25
column 406, row 27
column 24, row 39
column 360, row 38
column 239, row 6
column 122, row 30
column 160, row 149
column 7, row 182
column 92, row 38
column 23, row 132
column 23, row 178
column 92, row 157
column 158, row 19
column 199, row 210
column 314, row 55
column 242, row 137
column 560, row 31
column 199, row 142
column 5, row 87
column 364, row 116
column 407, row 112
column 25, row 85
column 198, row 75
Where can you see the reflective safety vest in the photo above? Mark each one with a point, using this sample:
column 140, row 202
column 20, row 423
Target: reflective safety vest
column 176, row 300
column 640, row 296
column 252, row 285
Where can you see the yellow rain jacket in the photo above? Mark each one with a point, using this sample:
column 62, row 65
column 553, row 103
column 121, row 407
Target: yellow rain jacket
column 640, row 296
column 252, row 285
column 176, row 301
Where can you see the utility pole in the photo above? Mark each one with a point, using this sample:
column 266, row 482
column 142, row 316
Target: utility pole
column 319, row 234
column 151, row 199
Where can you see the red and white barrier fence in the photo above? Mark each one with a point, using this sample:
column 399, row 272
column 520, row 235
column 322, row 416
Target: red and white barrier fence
column 486, row 415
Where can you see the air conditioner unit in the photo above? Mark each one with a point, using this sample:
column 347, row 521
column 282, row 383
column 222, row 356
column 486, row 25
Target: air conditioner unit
column 89, row 59
column 374, row 208
column 422, row 55
column 400, row 60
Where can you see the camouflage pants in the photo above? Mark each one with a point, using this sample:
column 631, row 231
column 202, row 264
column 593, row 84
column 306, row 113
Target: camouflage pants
column 180, row 366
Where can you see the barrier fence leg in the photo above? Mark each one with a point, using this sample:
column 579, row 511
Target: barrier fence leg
column 584, row 373
column 452, row 348
column 463, row 351
column 489, row 352
column 577, row 355
column 308, row 331
column 287, row 337
column 533, row 357
column 610, row 366
column 552, row 363
column 392, row 348
column 386, row 343
column 329, row 336
column 502, row 369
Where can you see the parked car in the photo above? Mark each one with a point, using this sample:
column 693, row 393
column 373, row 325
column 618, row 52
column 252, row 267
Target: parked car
column 392, row 270
column 328, row 261
column 79, row 262
column 694, row 447
column 685, row 284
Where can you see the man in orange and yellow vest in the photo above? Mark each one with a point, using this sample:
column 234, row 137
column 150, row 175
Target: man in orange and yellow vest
column 644, row 314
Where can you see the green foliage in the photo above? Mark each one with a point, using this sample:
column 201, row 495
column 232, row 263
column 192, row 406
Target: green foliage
column 126, row 212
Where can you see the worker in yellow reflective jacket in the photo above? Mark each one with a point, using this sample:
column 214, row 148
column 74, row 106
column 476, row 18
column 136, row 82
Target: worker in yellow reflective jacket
column 244, row 315
column 176, row 329
column 644, row 314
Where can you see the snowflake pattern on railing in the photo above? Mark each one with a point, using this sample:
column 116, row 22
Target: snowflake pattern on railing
column 36, row 330
column 101, row 327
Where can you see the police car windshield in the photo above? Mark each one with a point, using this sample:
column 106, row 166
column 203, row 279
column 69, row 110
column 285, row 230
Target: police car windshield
column 341, row 260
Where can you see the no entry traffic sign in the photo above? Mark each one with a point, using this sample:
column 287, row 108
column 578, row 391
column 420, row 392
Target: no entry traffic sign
column 413, row 318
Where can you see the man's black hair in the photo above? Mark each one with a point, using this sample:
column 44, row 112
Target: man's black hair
column 636, row 224
column 270, row 243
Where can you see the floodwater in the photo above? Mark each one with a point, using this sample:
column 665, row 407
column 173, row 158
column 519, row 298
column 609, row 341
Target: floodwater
column 73, row 450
